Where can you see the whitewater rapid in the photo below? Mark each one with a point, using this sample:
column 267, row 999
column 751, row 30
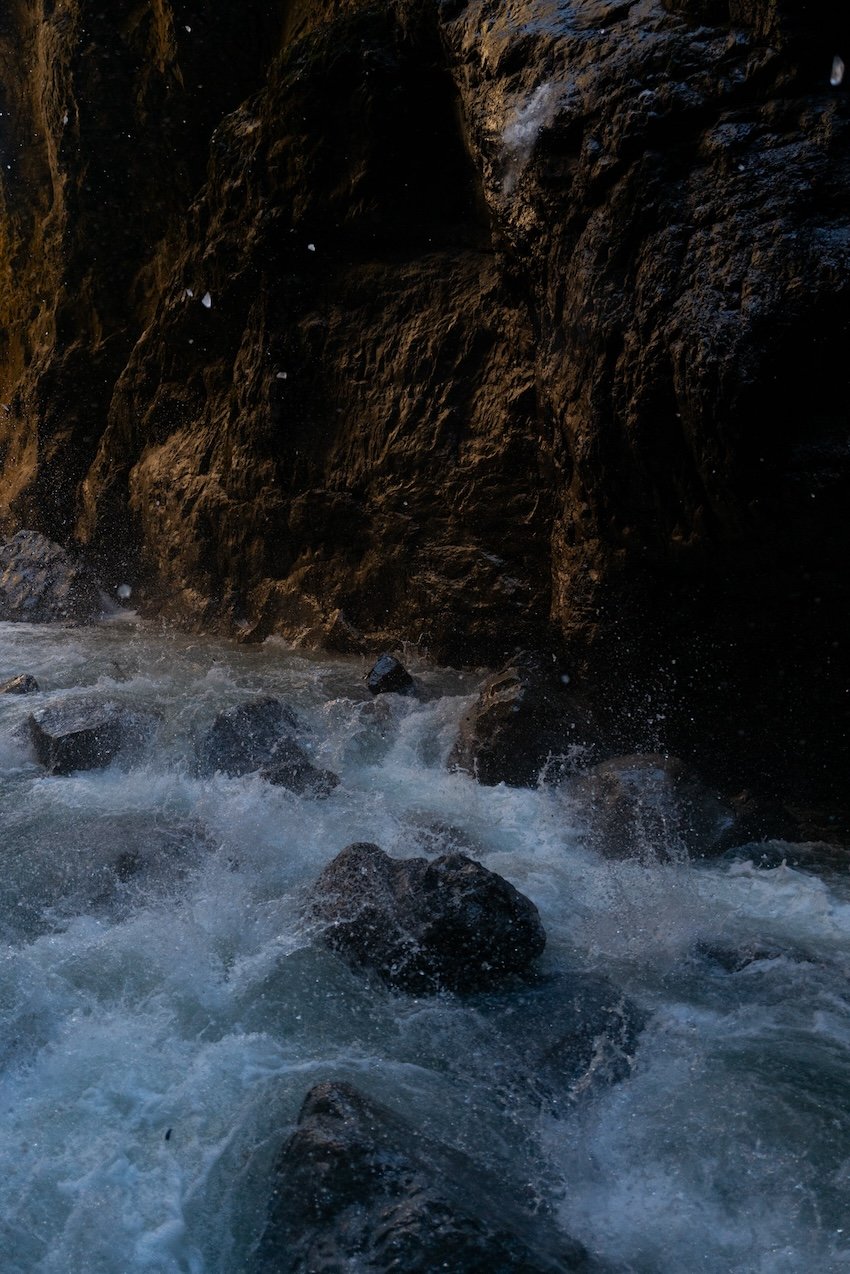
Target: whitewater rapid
column 163, row 1009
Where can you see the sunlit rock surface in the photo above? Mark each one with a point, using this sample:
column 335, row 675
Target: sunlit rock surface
column 475, row 325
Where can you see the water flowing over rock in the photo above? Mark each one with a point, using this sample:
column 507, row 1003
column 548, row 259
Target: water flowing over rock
column 87, row 734
column 40, row 583
column 257, row 737
column 425, row 924
column 525, row 716
column 357, row 1187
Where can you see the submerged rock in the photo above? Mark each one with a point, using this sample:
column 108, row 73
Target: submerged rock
column 425, row 925
column 358, row 1188
column 25, row 684
column 813, row 856
column 389, row 676
column 524, row 715
column 87, row 734
column 292, row 768
column 41, row 583
column 649, row 806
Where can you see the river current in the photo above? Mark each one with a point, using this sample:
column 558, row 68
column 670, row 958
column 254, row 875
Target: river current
column 163, row 1009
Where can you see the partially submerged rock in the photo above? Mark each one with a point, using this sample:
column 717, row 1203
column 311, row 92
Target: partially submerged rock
column 389, row 676
column 524, row 715
column 257, row 737
column 648, row 806
column 25, row 684
column 425, row 925
column 813, row 856
column 246, row 737
column 357, row 1188
column 87, row 734
column 41, row 583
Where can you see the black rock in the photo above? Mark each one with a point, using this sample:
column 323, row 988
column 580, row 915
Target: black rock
column 247, row 737
column 650, row 807
column 424, row 925
column 41, row 583
column 524, row 715
column 22, row 685
column 389, row 676
column 358, row 1188
column 812, row 856
column 87, row 734
column 292, row 768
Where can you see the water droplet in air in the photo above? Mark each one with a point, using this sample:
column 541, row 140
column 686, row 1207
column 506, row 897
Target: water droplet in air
column 206, row 301
column 282, row 375
column 311, row 247
column 837, row 72
column 189, row 292
column 124, row 591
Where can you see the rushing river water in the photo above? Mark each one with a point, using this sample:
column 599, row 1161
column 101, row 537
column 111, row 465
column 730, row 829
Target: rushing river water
column 164, row 1011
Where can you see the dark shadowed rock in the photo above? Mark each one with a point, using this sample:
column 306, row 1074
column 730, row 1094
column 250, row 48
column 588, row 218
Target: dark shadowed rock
column 524, row 715
column 25, row 684
column 389, row 676
column 40, row 583
column 813, row 856
column 650, row 807
column 87, row 734
column 357, row 1188
column 425, row 925
column 292, row 768
column 247, row 737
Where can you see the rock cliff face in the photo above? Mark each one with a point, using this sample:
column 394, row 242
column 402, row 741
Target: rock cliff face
column 513, row 321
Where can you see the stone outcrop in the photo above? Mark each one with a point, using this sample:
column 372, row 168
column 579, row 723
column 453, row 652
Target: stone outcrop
column 475, row 325
column 357, row 1187
column 424, row 925
column 40, row 583
column 25, row 684
column 87, row 734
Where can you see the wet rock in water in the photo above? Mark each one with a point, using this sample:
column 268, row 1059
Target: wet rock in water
column 650, row 807
column 247, row 737
column 389, row 676
column 358, row 1188
column 524, row 715
column 728, row 959
column 25, row 684
column 813, row 856
column 562, row 1037
column 292, row 768
column 425, row 925
column 41, row 583
column 87, row 734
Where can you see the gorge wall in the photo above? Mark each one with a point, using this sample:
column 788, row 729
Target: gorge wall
column 474, row 325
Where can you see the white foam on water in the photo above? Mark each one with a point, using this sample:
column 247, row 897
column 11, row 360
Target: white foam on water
column 164, row 1008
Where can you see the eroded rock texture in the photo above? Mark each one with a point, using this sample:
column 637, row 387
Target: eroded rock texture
column 524, row 321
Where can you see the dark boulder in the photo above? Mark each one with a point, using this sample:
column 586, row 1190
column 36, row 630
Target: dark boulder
column 818, row 857
column 247, row 737
column 524, row 716
column 358, row 1188
column 425, row 925
column 649, row 807
column 87, row 734
column 389, row 676
column 41, row 583
column 22, row 685
column 292, row 768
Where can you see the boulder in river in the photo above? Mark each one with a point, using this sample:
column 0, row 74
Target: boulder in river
column 525, row 714
column 87, row 734
column 649, row 806
column 426, row 924
column 389, row 676
column 41, row 583
column 358, row 1188
column 25, row 684
column 258, row 737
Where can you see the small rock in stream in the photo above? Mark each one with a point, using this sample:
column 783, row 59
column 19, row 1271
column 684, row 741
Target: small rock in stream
column 389, row 676
column 359, row 1188
column 25, row 684
column 426, row 925
column 87, row 734
column 258, row 737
